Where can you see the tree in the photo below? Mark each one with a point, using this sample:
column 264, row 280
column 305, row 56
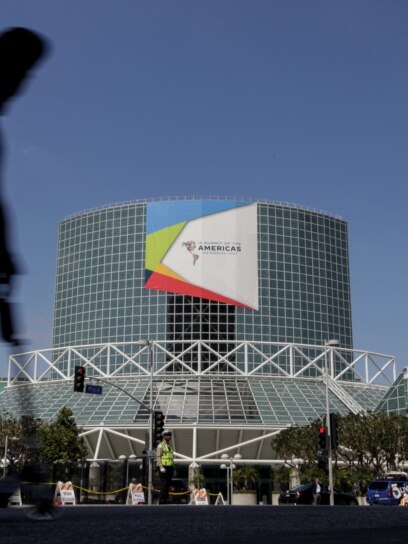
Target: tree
column 20, row 437
column 60, row 441
column 246, row 478
column 368, row 446
column 378, row 442
column 298, row 442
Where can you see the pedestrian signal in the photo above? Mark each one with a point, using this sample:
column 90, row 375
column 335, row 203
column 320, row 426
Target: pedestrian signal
column 79, row 379
column 158, row 424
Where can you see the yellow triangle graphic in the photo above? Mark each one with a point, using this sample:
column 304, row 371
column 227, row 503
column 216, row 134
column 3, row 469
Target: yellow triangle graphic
column 162, row 269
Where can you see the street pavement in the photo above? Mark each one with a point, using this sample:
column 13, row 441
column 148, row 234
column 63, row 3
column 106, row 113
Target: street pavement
column 208, row 524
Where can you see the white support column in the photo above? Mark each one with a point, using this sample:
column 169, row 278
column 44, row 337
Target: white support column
column 291, row 366
column 69, row 363
column 217, row 440
column 194, row 452
column 241, row 432
column 9, row 371
column 366, row 368
column 331, row 370
column 98, row 444
column 199, row 358
column 108, row 360
column 261, row 443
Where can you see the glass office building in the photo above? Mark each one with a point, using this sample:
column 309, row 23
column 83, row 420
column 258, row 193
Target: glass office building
column 302, row 272
column 216, row 312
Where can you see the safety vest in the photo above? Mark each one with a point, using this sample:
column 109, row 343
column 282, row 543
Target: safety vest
column 167, row 457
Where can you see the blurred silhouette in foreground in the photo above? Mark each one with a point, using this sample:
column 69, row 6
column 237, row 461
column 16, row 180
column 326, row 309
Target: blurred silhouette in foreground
column 20, row 50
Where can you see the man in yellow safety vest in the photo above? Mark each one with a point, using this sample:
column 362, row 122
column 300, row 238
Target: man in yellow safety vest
column 165, row 462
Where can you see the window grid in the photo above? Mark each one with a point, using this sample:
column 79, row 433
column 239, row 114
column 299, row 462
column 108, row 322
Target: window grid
column 304, row 284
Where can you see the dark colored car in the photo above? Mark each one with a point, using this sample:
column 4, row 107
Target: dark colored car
column 303, row 494
column 387, row 491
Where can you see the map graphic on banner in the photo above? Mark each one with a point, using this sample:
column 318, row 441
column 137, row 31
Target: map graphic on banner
column 203, row 248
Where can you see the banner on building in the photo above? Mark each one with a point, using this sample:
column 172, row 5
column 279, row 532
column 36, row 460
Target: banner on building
column 203, row 248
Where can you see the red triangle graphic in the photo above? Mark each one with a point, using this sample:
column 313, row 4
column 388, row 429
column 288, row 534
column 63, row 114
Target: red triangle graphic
column 159, row 282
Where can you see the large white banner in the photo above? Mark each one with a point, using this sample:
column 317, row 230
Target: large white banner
column 214, row 256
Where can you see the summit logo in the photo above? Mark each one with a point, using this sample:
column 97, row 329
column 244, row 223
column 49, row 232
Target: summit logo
column 191, row 248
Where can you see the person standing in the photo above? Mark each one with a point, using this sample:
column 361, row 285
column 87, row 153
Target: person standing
column 20, row 50
column 317, row 492
column 165, row 462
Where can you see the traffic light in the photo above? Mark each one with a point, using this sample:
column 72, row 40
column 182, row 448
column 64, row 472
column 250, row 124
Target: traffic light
column 79, row 379
column 158, row 423
column 333, row 430
column 322, row 439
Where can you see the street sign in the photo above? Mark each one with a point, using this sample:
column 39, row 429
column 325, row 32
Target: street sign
column 150, row 453
column 93, row 389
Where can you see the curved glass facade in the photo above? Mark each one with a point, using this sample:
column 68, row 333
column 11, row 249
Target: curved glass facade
column 303, row 282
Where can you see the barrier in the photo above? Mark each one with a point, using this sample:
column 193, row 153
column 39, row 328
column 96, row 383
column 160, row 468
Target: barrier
column 219, row 499
column 135, row 494
column 15, row 499
column 199, row 497
column 64, row 494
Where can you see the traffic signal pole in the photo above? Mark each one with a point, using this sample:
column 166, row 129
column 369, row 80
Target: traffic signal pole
column 150, row 475
column 330, row 458
column 79, row 378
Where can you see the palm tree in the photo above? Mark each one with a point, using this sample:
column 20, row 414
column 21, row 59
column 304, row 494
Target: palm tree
column 246, row 478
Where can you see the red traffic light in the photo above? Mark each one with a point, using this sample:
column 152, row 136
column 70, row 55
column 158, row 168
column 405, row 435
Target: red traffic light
column 322, row 439
column 79, row 379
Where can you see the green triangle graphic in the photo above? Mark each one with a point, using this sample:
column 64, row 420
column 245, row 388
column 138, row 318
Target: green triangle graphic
column 158, row 243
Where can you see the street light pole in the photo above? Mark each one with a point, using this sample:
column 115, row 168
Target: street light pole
column 329, row 344
column 5, row 456
column 150, row 475
column 225, row 467
column 149, row 345
column 231, row 467
column 230, row 473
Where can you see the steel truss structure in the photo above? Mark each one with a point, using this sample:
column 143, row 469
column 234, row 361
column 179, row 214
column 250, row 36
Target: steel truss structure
column 217, row 401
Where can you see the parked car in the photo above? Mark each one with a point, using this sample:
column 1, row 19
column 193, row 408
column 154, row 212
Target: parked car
column 387, row 491
column 303, row 494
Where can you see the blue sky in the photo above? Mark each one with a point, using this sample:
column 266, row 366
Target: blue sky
column 287, row 100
